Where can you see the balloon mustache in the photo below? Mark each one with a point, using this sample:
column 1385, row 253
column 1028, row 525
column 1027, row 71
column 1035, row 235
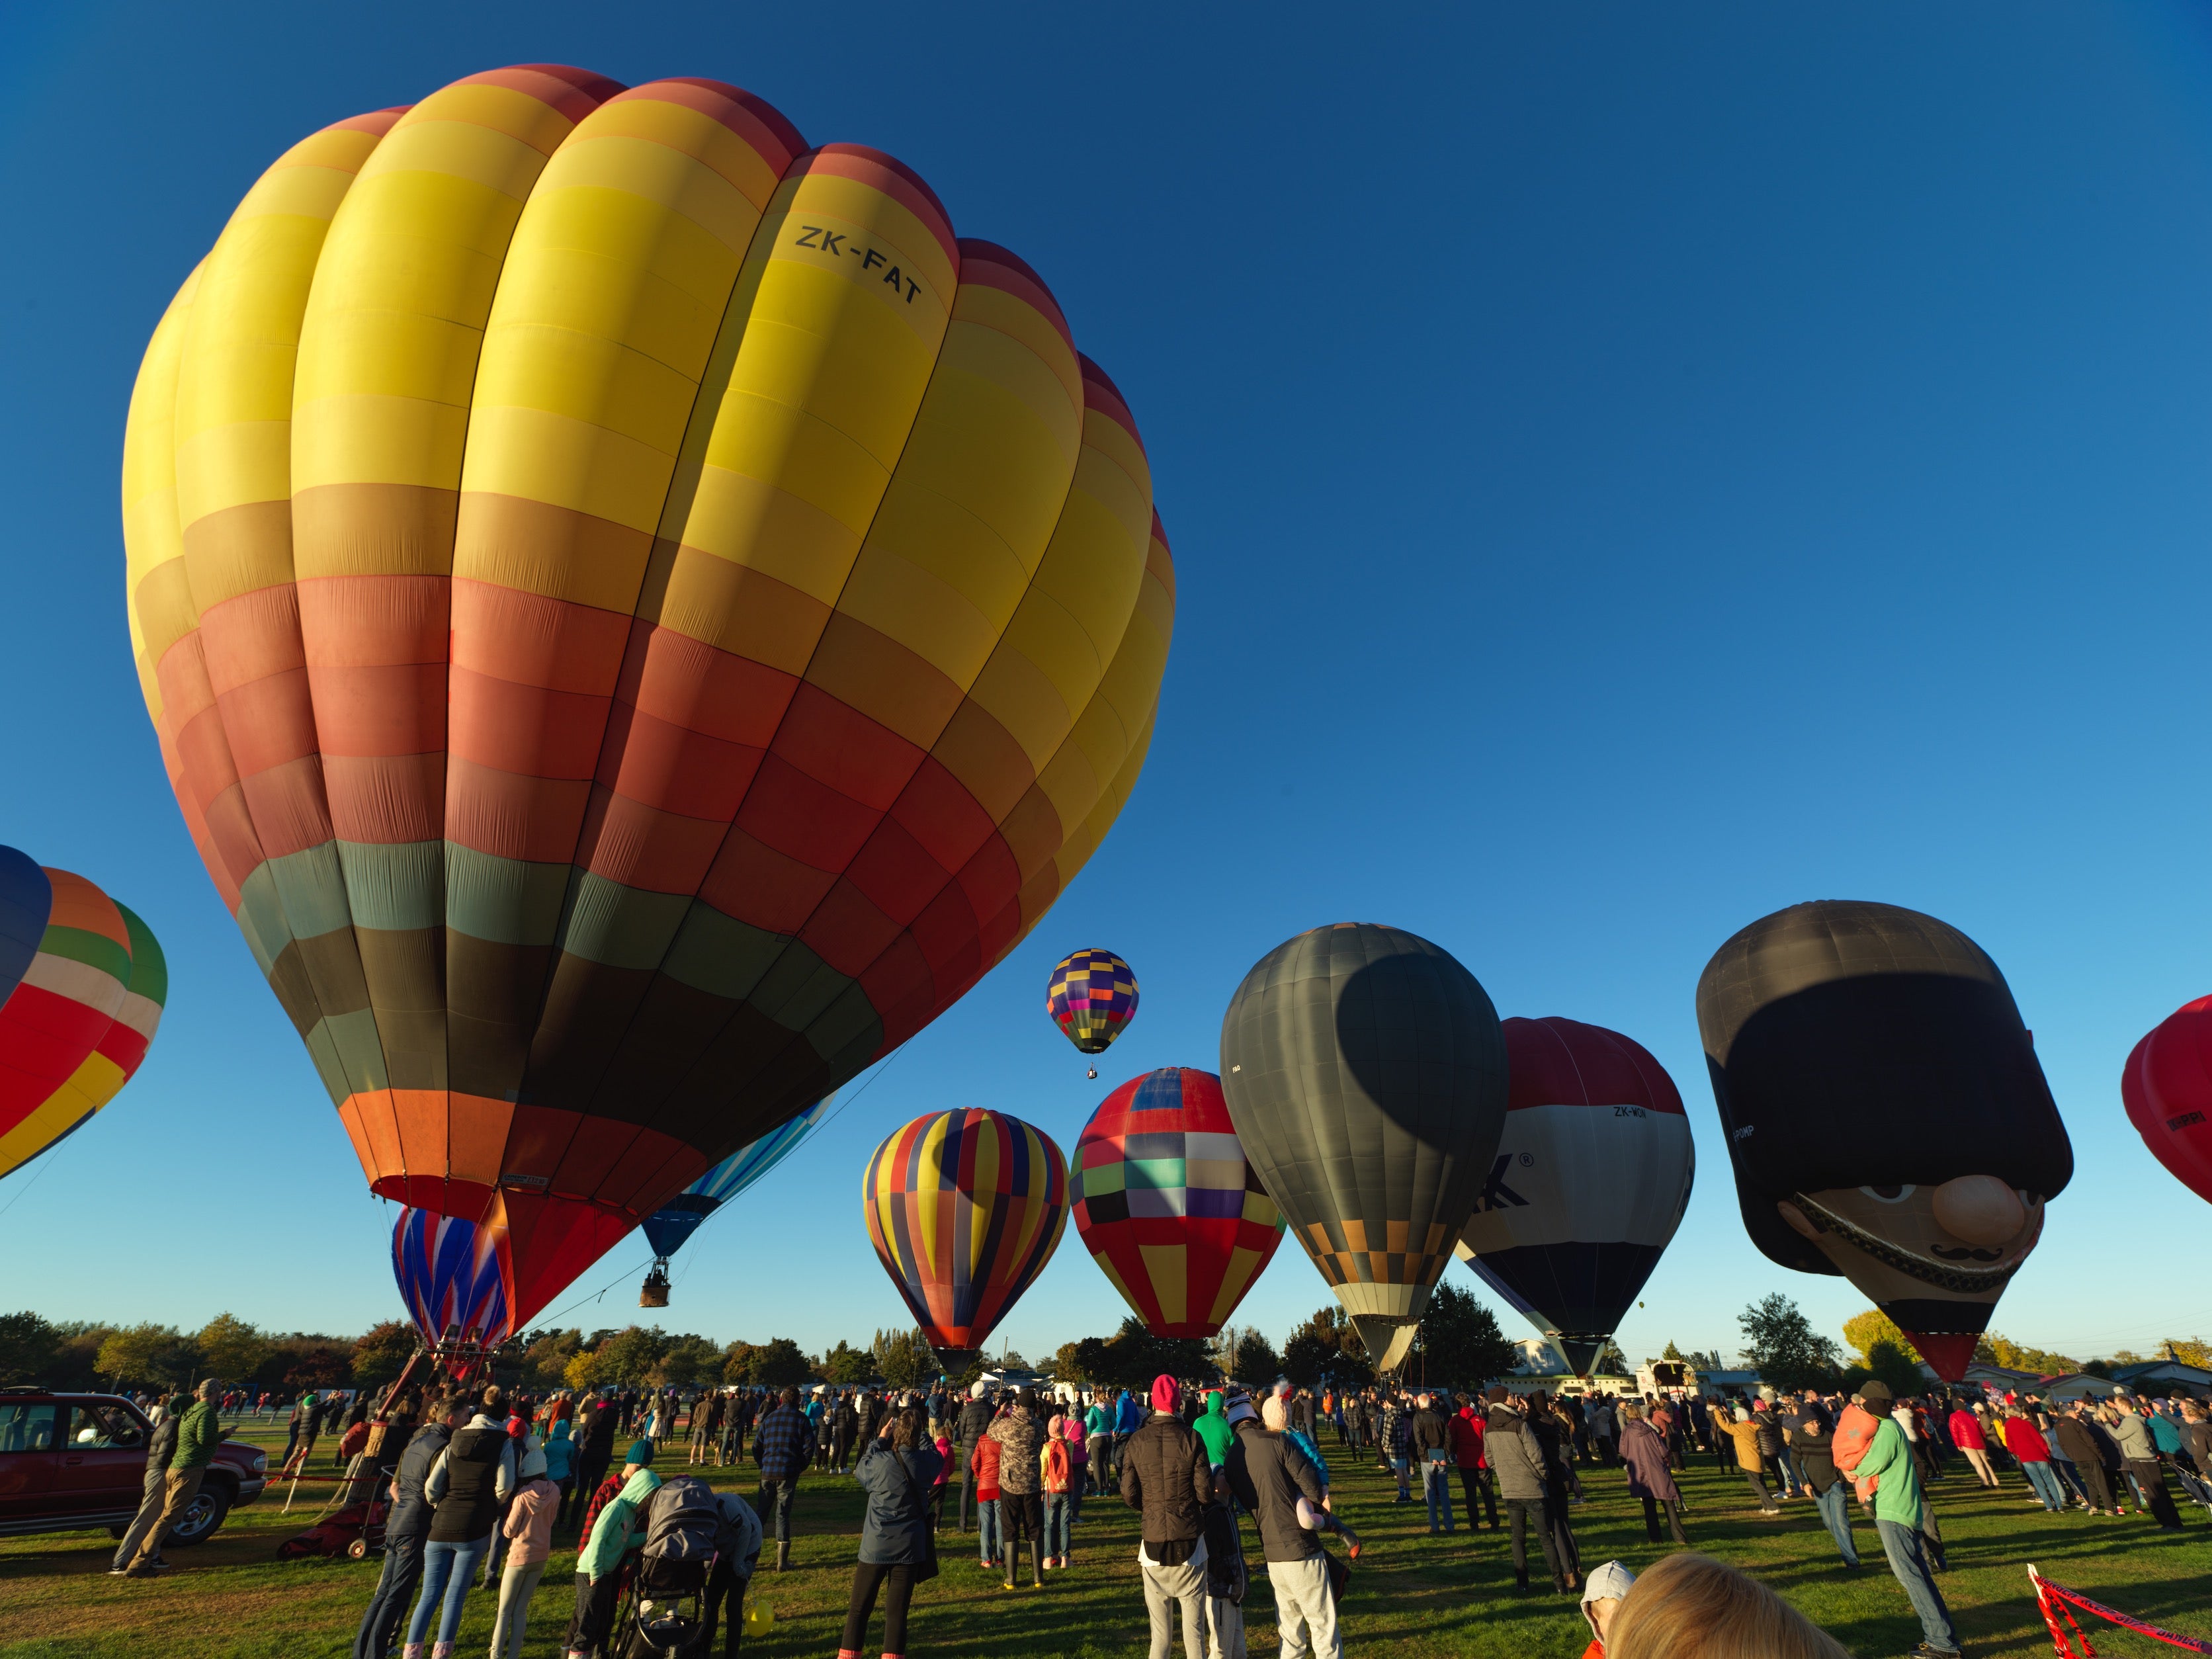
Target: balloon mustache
column 1942, row 1274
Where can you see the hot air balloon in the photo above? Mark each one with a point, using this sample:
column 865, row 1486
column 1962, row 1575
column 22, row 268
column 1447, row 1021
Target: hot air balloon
column 964, row 1208
column 668, row 1228
column 1589, row 1182
column 2167, row 1086
column 457, row 1279
column 82, row 1011
column 639, row 618
column 1365, row 1074
column 1169, row 1205
column 1884, row 1111
column 1092, row 994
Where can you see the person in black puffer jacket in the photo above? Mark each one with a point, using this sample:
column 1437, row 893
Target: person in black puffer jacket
column 975, row 1421
column 468, row 1484
column 406, row 1530
column 1165, row 1475
column 159, row 1450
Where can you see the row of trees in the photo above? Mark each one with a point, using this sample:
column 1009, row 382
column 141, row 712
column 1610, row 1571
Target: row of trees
column 34, row 1349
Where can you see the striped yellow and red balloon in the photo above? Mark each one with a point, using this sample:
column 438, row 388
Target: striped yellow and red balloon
column 83, row 982
column 638, row 615
column 964, row 1208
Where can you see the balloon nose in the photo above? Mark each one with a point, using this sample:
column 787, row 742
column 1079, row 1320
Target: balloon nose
column 1980, row 1209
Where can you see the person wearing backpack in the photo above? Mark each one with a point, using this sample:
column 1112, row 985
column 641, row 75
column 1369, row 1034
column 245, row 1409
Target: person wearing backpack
column 897, row 1549
column 472, row 1479
column 1056, row 1473
column 529, row 1530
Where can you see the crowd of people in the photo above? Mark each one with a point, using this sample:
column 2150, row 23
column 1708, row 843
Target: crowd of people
column 482, row 1483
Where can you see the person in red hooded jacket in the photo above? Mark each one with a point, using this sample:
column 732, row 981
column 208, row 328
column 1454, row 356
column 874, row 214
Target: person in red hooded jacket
column 1466, row 1429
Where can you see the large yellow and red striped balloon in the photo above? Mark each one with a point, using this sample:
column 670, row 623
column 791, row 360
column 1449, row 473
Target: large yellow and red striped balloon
column 640, row 616
column 964, row 1208
column 76, row 1020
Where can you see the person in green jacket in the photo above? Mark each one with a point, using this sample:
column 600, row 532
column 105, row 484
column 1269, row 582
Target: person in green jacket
column 1897, row 1501
column 621, row 1525
column 197, row 1436
column 1211, row 1427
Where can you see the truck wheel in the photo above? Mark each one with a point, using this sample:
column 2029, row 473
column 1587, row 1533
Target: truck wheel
column 199, row 1522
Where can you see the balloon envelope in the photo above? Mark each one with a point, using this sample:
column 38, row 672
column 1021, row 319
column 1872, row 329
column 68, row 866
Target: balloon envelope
column 25, row 897
column 2166, row 1087
column 1590, row 1181
column 76, row 1026
column 964, row 1208
column 1885, row 1112
column 456, row 1277
column 668, row 1227
column 1092, row 994
column 1365, row 1074
column 1169, row 1205
column 638, row 617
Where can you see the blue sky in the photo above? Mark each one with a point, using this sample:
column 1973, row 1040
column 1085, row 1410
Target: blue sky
column 1628, row 470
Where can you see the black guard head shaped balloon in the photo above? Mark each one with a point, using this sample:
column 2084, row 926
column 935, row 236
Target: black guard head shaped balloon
column 1885, row 1111
column 1365, row 1073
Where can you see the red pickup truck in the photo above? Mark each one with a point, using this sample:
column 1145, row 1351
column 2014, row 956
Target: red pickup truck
column 69, row 1461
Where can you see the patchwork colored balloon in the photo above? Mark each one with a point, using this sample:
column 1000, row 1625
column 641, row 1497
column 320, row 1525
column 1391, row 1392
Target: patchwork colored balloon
column 1092, row 995
column 1168, row 1204
column 639, row 616
column 456, row 1277
column 668, row 1228
column 1590, row 1179
column 76, row 1027
column 2166, row 1088
column 964, row 1208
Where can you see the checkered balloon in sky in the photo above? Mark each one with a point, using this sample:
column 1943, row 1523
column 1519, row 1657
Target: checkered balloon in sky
column 1168, row 1204
column 1092, row 995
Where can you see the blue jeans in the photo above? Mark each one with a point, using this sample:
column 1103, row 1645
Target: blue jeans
column 1835, row 1506
column 2069, row 1478
column 1901, row 1544
column 2046, row 1484
column 988, row 1543
column 395, row 1587
column 447, row 1571
column 1059, row 1522
column 1795, row 1480
column 1436, row 1489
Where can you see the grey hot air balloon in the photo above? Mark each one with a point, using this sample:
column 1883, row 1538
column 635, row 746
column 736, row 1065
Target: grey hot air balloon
column 1365, row 1074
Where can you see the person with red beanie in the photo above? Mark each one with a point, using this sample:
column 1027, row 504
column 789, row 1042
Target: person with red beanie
column 1167, row 1477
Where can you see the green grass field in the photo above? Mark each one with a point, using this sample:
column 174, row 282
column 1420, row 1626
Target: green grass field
column 1412, row 1594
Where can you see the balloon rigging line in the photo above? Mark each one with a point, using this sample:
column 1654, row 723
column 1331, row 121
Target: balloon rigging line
column 811, row 1133
column 53, row 1157
column 544, row 1320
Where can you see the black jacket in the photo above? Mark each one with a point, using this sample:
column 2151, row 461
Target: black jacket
column 975, row 1418
column 1430, row 1433
column 163, row 1446
column 595, row 1436
column 1268, row 1473
column 410, row 1510
column 1165, row 1475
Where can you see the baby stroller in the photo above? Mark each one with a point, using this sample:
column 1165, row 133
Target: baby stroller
column 664, row 1613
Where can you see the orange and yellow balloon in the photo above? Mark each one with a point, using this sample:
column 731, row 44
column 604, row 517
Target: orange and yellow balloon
column 83, row 982
column 640, row 616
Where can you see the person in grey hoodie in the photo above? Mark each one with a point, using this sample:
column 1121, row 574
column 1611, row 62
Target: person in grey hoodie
column 1518, row 1461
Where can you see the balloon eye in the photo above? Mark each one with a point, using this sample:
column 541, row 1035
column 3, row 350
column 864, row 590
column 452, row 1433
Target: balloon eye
column 1888, row 1195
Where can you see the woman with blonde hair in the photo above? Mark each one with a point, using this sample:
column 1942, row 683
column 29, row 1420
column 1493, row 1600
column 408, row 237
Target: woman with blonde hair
column 1692, row 1607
